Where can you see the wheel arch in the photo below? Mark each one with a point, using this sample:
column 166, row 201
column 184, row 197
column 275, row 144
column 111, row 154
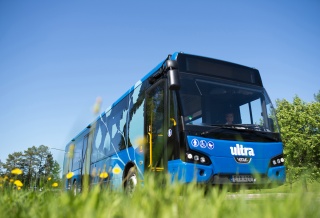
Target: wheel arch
column 126, row 171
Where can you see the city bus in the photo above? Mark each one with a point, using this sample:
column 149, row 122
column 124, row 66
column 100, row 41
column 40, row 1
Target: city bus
column 194, row 118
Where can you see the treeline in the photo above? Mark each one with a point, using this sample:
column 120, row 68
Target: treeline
column 36, row 164
column 299, row 123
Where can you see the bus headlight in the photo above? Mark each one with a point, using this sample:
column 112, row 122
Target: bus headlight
column 189, row 156
column 197, row 158
column 202, row 160
column 277, row 161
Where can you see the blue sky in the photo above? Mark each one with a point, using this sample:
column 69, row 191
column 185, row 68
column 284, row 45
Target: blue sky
column 57, row 57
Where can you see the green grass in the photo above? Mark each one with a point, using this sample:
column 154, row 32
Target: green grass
column 155, row 200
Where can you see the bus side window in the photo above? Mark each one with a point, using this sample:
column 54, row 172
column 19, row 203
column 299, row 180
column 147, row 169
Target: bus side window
column 116, row 126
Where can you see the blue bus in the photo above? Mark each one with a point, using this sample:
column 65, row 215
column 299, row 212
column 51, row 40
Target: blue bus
column 194, row 118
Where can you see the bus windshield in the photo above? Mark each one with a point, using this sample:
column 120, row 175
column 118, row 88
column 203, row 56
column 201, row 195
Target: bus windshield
column 214, row 102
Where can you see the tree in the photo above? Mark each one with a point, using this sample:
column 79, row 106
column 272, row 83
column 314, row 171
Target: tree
column 55, row 170
column 14, row 160
column 1, row 168
column 44, row 163
column 317, row 96
column 300, row 129
column 36, row 163
column 29, row 166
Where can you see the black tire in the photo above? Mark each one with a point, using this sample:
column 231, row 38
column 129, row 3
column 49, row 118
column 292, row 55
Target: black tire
column 131, row 181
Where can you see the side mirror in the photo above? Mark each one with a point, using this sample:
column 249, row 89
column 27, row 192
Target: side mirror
column 174, row 81
column 173, row 74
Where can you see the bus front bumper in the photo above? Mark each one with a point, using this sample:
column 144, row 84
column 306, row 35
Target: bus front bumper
column 188, row 172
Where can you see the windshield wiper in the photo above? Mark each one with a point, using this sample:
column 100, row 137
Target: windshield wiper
column 243, row 129
column 265, row 135
column 215, row 128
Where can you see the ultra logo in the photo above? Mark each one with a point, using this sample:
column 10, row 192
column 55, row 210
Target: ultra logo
column 239, row 150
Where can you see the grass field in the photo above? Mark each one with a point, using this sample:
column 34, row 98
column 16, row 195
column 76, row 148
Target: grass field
column 154, row 200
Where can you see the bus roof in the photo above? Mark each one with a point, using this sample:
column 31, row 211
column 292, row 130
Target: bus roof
column 123, row 96
column 184, row 65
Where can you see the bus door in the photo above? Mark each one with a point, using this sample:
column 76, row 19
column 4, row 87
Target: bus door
column 156, row 127
column 86, row 160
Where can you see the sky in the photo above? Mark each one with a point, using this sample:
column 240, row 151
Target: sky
column 57, row 57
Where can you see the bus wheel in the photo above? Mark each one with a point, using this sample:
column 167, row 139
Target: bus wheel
column 131, row 181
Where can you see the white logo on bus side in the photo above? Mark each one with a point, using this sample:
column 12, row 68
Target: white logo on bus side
column 239, row 150
column 195, row 142
column 203, row 144
column 210, row 145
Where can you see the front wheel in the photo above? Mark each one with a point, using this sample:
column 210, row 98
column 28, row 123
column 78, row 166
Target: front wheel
column 131, row 181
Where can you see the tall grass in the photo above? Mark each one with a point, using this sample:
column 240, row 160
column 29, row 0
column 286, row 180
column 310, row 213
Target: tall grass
column 153, row 199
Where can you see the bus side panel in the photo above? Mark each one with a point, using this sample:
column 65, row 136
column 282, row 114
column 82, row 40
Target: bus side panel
column 118, row 140
column 136, row 126
column 73, row 161
column 110, row 140
column 109, row 171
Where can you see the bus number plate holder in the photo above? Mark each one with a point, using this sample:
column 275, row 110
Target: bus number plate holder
column 242, row 179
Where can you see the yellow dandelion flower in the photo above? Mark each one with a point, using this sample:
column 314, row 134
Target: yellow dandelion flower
column 71, row 151
column 69, row 175
column 97, row 105
column 49, row 178
column 140, row 141
column 55, row 184
column 116, row 170
column 19, row 188
column 18, row 183
column 6, row 177
column 16, row 171
column 1, row 185
column 103, row 175
column 11, row 180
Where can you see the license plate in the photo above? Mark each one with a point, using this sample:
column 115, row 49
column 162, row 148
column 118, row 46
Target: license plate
column 242, row 179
